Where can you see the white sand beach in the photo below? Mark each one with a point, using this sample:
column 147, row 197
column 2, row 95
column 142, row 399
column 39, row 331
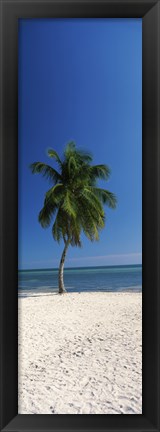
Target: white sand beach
column 80, row 353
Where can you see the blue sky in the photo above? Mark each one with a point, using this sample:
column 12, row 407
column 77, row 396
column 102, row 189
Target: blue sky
column 81, row 80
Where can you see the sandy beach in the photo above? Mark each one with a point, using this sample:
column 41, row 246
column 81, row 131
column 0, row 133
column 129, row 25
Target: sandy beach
column 80, row 353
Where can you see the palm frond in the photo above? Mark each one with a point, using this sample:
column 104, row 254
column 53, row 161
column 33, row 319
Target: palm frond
column 106, row 197
column 72, row 166
column 100, row 172
column 57, row 229
column 68, row 205
column 51, row 203
column 84, row 156
column 93, row 200
column 91, row 220
column 70, row 149
column 55, row 194
column 46, row 214
column 46, row 170
column 53, row 154
column 60, row 226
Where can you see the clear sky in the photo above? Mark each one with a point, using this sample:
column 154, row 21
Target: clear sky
column 81, row 80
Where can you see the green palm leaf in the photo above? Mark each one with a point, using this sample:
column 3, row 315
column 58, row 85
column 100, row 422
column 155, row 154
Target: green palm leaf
column 46, row 171
column 100, row 172
column 105, row 197
column 53, row 154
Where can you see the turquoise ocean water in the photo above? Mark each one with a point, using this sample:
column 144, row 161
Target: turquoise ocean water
column 112, row 278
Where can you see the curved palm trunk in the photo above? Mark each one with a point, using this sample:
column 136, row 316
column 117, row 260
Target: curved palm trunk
column 62, row 289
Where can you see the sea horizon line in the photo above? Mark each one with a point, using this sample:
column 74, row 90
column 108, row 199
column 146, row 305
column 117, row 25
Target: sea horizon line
column 80, row 267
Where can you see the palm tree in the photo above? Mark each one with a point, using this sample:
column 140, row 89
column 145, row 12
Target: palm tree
column 74, row 201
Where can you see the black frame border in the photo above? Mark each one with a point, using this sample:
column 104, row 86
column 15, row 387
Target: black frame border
column 149, row 11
